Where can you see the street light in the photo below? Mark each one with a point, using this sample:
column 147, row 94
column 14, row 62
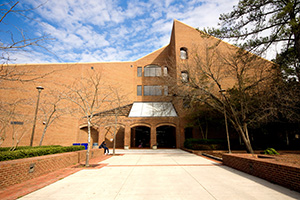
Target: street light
column 39, row 88
column 225, row 116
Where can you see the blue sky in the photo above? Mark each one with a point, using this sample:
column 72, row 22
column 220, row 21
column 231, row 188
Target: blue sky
column 103, row 30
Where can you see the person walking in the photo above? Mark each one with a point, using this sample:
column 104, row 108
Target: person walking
column 103, row 145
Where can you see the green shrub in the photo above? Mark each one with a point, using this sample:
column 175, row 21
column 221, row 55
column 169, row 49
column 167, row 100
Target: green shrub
column 27, row 147
column 271, row 151
column 27, row 152
column 4, row 149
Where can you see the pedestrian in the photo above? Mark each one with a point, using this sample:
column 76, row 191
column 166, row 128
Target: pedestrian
column 103, row 145
column 141, row 145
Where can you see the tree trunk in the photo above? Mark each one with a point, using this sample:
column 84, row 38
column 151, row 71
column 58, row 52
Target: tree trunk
column 244, row 135
column 242, row 130
column 47, row 124
column 115, row 132
column 44, row 132
column 89, row 141
column 247, row 143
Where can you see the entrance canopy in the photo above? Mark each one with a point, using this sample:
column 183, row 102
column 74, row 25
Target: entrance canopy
column 152, row 109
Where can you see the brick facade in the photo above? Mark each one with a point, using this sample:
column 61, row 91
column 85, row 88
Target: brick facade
column 17, row 171
column 282, row 174
column 71, row 128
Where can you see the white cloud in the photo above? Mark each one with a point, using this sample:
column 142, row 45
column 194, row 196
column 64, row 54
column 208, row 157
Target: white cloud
column 32, row 57
column 88, row 31
column 204, row 14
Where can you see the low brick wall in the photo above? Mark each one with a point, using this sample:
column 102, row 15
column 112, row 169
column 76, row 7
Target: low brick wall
column 286, row 175
column 17, row 171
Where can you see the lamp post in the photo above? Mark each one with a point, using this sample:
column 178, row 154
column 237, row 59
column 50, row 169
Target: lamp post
column 39, row 88
column 225, row 116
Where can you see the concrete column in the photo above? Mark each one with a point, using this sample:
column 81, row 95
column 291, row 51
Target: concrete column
column 153, row 142
column 127, row 135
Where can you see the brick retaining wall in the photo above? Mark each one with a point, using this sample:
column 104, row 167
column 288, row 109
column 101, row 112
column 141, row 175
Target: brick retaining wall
column 282, row 174
column 17, row 171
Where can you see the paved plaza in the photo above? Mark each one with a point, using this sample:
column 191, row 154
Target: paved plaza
column 161, row 174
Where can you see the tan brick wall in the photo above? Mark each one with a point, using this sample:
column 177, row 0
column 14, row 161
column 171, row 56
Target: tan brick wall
column 17, row 171
column 282, row 174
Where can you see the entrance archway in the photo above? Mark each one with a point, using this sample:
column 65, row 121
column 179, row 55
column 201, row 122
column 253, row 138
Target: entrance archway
column 166, row 137
column 140, row 135
column 83, row 135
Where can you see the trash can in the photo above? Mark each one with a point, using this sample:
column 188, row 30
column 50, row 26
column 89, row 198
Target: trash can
column 85, row 145
column 95, row 145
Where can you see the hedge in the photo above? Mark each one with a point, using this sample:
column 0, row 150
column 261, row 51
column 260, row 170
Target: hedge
column 27, row 152
column 26, row 147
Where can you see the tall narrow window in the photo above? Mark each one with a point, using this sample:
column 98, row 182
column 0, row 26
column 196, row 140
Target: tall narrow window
column 165, row 71
column 183, row 53
column 139, row 90
column 139, row 72
column 166, row 90
column 184, row 76
column 152, row 70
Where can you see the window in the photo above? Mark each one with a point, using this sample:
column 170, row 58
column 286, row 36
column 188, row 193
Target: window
column 152, row 90
column 166, row 90
column 139, row 72
column 184, row 76
column 139, row 90
column 183, row 53
column 152, row 70
column 165, row 71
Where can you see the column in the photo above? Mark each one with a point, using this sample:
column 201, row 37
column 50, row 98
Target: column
column 153, row 142
column 127, row 135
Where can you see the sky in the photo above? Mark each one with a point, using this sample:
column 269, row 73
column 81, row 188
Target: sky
column 102, row 30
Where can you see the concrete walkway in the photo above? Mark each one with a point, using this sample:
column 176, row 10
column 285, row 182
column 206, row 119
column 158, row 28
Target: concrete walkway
column 161, row 174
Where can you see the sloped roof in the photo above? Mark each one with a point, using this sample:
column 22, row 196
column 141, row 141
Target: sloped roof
column 152, row 109
column 122, row 111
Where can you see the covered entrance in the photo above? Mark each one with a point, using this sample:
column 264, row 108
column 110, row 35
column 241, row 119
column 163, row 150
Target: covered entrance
column 140, row 137
column 166, row 137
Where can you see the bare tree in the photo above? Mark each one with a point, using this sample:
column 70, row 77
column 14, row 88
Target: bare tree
column 52, row 110
column 116, row 104
column 6, row 115
column 19, row 129
column 14, row 122
column 19, row 42
column 216, row 67
column 203, row 118
column 89, row 95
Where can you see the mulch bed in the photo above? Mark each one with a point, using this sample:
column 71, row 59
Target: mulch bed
column 285, row 157
column 293, row 159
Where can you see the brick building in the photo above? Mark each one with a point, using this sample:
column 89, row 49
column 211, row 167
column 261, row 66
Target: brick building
column 149, row 113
